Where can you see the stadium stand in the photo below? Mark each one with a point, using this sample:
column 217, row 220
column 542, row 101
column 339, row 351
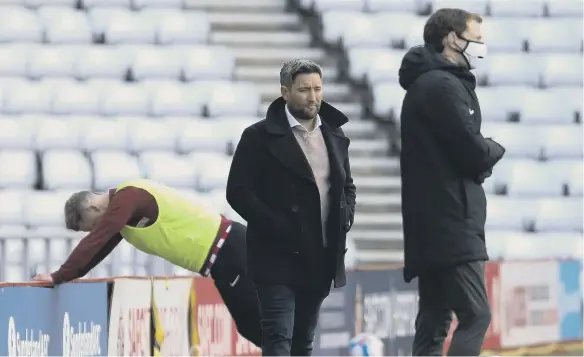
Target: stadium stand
column 95, row 92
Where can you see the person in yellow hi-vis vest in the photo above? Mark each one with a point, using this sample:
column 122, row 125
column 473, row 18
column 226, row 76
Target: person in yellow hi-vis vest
column 160, row 221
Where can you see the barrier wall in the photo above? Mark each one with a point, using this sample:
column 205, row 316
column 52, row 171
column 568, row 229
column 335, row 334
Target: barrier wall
column 537, row 306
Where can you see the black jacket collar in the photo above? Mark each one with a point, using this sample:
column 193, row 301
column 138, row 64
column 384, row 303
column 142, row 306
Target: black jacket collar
column 277, row 122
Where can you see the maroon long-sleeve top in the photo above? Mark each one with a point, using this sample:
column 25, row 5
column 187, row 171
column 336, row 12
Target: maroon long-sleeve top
column 126, row 207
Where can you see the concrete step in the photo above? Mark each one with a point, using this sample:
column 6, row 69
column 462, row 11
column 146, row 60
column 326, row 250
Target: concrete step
column 372, row 147
column 256, row 21
column 262, row 56
column 376, row 166
column 261, row 38
column 237, row 5
column 387, row 245
column 374, row 235
column 378, row 203
column 379, row 257
column 379, row 185
column 378, row 221
column 271, row 75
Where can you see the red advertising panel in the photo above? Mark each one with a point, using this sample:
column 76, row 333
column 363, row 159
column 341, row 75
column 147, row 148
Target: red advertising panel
column 493, row 337
column 213, row 331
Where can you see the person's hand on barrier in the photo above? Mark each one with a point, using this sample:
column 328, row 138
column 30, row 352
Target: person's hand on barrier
column 43, row 277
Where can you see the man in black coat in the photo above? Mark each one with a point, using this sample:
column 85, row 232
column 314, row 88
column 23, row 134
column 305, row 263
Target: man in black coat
column 444, row 161
column 290, row 179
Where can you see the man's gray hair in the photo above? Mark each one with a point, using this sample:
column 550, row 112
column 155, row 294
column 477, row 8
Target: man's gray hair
column 291, row 69
column 74, row 208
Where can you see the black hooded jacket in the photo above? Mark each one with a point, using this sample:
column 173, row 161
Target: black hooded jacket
column 444, row 160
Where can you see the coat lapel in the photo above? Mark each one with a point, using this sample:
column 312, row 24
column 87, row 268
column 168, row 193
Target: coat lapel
column 286, row 149
column 337, row 146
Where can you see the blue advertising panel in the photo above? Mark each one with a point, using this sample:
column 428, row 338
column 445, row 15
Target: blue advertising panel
column 404, row 302
column 570, row 300
column 336, row 324
column 81, row 319
column 26, row 314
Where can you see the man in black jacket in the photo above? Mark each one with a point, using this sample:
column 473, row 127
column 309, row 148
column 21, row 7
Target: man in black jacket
column 444, row 161
column 290, row 179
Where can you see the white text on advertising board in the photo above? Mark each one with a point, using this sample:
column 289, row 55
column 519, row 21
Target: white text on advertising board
column 27, row 344
column 215, row 330
column 84, row 342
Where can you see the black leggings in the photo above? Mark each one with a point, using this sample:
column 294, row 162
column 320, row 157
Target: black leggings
column 235, row 286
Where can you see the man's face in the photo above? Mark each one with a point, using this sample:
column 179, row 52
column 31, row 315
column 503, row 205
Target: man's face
column 91, row 216
column 304, row 96
column 459, row 42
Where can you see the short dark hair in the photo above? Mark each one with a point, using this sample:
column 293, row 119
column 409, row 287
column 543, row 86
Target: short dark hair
column 291, row 69
column 74, row 208
column 443, row 21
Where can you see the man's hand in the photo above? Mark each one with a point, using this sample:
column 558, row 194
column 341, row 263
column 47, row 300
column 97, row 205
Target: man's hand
column 43, row 277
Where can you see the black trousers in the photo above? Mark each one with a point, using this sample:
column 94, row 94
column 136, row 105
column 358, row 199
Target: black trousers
column 235, row 287
column 288, row 319
column 460, row 289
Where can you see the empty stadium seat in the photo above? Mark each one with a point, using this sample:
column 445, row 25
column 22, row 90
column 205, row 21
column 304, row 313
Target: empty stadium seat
column 173, row 26
column 569, row 8
column 76, row 98
column 125, row 26
column 510, row 69
column 50, row 61
column 52, row 132
column 385, row 67
column 207, row 62
column 391, row 5
column 100, row 61
column 563, row 35
column 325, row 5
column 232, row 98
column 106, row 3
column 393, row 27
column 562, row 141
column 360, row 60
column 570, row 96
column 562, row 69
column 169, row 168
column 334, row 23
column 11, row 209
column 362, row 32
column 119, row 98
column 98, row 133
column 527, row 8
column 560, row 214
column 139, row 4
column 175, row 99
column 213, row 169
column 475, row 6
column 13, row 60
column 26, row 97
column 388, row 99
column 111, row 168
column 541, row 106
column 44, row 208
column 18, row 168
column 152, row 62
column 504, row 34
column 18, row 24
column 15, row 133
column 152, row 134
column 517, row 139
column 63, row 169
column 508, row 214
column 415, row 31
column 203, row 135
column 64, row 25
column 532, row 179
column 502, row 102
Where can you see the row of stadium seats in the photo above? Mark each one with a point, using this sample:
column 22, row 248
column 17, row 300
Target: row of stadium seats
column 402, row 30
column 87, row 4
column 65, row 169
column 513, row 245
column 134, row 134
column 57, row 25
column 112, row 97
column 559, row 105
column 197, row 62
column 493, row 7
column 526, row 178
column 45, row 209
column 377, row 65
